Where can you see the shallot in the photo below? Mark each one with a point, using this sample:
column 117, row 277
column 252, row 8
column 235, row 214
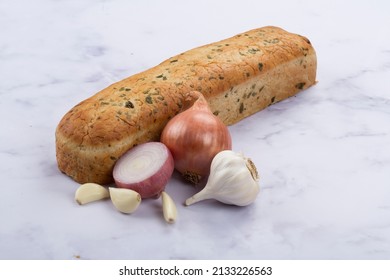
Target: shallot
column 194, row 137
column 146, row 169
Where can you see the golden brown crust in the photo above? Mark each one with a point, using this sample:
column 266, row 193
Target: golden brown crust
column 238, row 76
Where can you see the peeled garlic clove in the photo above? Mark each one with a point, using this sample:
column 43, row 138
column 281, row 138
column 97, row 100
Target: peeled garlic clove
column 233, row 180
column 125, row 200
column 90, row 192
column 169, row 208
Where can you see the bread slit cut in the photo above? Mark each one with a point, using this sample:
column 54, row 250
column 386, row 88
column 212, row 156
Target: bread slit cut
column 238, row 76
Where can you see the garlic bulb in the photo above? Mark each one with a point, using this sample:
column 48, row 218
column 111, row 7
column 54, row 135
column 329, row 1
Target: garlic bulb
column 233, row 180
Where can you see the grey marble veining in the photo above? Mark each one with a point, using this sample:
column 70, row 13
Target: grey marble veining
column 323, row 155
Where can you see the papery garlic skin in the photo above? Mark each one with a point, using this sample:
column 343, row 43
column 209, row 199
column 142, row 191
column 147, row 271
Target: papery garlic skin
column 233, row 180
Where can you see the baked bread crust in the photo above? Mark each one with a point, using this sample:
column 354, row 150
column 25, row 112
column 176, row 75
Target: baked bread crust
column 238, row 76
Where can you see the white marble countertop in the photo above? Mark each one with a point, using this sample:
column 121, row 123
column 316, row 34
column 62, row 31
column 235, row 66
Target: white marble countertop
column 323, row 156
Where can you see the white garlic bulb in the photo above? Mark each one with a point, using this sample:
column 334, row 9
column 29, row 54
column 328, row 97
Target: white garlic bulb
column 233, row 180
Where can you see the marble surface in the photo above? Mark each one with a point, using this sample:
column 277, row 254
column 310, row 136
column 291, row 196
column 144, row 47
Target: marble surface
column 323, row 156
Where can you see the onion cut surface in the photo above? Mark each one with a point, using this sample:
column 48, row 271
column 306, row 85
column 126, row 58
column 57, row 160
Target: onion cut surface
column 145, row 169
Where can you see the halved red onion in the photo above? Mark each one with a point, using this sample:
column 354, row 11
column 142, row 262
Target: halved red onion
column 145, row 169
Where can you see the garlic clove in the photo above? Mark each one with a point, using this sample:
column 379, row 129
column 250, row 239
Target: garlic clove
column 169, row 208
column 125, row 200
column 90, row 192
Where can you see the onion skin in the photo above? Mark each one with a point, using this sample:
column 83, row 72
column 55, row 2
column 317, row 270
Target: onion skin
column 153, row 186
column 194, row 137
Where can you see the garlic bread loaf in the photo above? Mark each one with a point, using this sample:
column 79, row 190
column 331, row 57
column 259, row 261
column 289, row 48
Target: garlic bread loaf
column 238, row 76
